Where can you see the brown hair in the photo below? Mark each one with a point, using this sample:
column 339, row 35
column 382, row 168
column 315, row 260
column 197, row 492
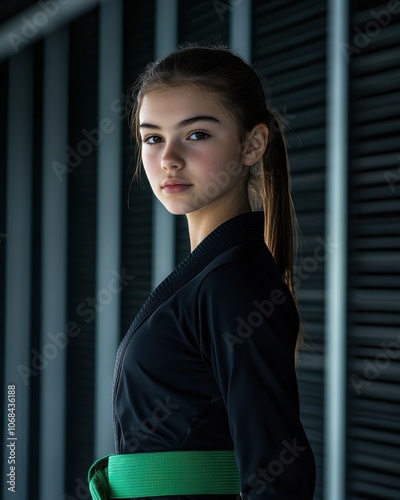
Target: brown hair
column 241, row 91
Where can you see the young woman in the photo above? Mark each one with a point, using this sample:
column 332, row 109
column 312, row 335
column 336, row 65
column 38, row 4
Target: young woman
column 209, row 362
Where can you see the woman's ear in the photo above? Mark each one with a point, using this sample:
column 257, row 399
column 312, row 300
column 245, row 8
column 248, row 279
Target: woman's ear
column 256, row 144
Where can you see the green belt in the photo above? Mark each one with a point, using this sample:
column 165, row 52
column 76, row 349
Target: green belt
column 164, row 473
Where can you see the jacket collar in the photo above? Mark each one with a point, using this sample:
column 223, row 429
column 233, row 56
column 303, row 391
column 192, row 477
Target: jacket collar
column 242, row 228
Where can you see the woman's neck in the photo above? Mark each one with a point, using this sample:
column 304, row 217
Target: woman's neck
column 203, row 221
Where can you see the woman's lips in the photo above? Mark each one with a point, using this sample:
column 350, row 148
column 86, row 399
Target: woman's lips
column 174, row 185
column 175, row 188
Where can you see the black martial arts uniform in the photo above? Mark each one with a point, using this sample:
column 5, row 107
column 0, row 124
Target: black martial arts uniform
column 208, row 364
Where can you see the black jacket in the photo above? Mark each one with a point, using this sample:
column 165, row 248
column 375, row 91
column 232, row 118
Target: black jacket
column 208, row 363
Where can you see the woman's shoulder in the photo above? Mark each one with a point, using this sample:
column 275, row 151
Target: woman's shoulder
column 240, row 275
column 243, row 261
column 245, row 282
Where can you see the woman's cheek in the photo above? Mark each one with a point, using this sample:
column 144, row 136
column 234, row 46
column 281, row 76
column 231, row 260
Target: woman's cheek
column 149, row 161
column 151, row 173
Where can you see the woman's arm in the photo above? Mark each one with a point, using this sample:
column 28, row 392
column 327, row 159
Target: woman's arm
column 247, row 332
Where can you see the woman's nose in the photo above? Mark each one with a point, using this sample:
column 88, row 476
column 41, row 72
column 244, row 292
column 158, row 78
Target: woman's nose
column 172, row 157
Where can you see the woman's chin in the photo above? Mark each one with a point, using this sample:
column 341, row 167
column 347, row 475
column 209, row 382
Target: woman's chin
column 175, row 210
column 178, row 208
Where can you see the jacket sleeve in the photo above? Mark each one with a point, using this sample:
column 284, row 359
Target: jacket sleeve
column 247, row 329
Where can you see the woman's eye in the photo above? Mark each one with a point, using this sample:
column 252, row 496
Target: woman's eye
column 198, row 136
column 152, row 139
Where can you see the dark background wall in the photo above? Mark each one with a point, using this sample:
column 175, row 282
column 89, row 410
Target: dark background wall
column 290, row 46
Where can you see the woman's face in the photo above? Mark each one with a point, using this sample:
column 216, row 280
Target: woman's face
column 191, row 150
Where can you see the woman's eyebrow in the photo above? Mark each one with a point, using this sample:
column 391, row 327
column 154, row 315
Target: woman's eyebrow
column 183, row 123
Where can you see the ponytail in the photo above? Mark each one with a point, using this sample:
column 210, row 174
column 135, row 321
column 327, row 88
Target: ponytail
column 280, row 218
column 270, row 190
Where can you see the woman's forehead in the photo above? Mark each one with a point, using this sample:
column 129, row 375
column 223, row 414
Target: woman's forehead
column 179, row 102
